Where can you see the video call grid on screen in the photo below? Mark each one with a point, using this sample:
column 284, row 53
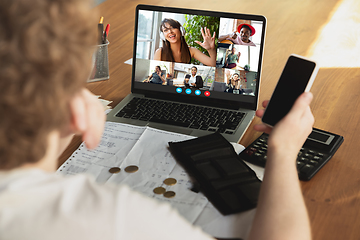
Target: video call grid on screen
column 235, row 81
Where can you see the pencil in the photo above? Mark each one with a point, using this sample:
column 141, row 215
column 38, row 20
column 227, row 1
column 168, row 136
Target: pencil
column 100, row 30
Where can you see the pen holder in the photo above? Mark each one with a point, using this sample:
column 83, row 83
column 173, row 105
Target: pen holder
column 100, row 62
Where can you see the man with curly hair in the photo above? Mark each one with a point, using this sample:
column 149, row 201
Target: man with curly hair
column 44, row 102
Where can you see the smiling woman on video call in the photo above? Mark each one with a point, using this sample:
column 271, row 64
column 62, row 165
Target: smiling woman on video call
column 175, row 48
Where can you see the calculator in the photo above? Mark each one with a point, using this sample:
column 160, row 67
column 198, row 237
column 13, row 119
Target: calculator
column 317, row 150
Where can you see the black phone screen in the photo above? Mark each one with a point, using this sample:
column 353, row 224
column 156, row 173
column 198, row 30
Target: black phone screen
column 291, row 85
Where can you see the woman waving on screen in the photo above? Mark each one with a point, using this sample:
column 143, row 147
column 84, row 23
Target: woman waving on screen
column 175, row 48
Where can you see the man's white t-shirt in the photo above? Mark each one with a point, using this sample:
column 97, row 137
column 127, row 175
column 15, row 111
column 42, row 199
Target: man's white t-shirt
column 192, row 80
column 39, row 205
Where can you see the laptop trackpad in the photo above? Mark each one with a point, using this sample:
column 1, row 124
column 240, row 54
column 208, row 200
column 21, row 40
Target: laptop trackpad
column 170, row 128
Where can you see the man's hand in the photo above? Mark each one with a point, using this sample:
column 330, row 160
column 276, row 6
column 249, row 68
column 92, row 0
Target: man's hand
column 88, row 117
column 281, row 212
column 291, row 132
column 233, row 35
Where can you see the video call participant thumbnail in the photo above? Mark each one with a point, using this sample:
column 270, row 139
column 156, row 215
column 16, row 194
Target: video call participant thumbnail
column 243, row 38
column 193, row 80
column 175, row 48
column 232, row 58
column 157, row 77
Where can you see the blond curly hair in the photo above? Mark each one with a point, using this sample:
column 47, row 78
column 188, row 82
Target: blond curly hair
column 45, row 55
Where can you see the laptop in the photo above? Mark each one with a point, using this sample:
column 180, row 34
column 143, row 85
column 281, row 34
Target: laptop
column 212, row 90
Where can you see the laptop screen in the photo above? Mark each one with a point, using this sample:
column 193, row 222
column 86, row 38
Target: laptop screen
column 198, row 55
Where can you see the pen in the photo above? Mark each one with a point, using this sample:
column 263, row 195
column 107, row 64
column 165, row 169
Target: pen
column 106, row 33
column 100, row 30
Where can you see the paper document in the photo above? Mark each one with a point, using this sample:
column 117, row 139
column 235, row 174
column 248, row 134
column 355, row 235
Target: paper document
column 146, row 148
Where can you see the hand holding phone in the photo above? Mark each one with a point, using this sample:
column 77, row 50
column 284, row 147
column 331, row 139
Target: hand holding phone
column 297, row 77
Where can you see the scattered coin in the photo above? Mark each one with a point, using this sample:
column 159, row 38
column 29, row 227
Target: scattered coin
column 170, row 181
column 114, row 170
column 169, row 194
column 131, row 169
column 159, row 190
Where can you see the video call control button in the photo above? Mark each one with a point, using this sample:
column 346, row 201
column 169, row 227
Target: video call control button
column 178, row 90
column 188, row 91
column 197, row 92
column 207, row 93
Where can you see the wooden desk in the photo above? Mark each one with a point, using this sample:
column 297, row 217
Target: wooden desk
column 333, row 195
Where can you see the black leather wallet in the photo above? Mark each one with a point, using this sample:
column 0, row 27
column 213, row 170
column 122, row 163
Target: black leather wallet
column 229, row 184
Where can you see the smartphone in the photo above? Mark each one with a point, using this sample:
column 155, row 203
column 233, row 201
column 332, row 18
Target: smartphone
column 297, row 77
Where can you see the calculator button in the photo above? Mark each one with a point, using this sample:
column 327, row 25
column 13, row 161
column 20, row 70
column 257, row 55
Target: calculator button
column 264, row 149
column 307, row 169
column 311, row 151
column 256, row 146
column 258, row 154
column 307, row 155
column 317, row 158
column 313, row 162
column 303, row 159
column 299, row 164
column 260, row 151
column 320, row 154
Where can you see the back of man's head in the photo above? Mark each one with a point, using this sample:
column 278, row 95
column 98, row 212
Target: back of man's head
column 45, row 55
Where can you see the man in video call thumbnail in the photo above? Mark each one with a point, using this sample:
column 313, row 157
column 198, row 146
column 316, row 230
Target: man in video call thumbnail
column 193, row 80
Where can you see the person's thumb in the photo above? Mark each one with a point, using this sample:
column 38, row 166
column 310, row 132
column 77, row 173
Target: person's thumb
column 301, row 104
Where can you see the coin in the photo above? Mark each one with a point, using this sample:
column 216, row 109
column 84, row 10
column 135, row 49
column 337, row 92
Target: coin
column 114, row 170
column 159, row 190
column 131, row 169
column 170, row 181
column 169, row 194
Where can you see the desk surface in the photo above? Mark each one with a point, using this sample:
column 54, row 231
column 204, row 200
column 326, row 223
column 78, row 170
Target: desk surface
column 333, row 195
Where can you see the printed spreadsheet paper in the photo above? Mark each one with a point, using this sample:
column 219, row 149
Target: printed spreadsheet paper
column 124, row 145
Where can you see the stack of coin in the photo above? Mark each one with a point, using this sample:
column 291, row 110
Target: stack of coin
column 161, row 190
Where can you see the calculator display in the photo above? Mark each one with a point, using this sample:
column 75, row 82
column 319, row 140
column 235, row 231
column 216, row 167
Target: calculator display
column 321, row 137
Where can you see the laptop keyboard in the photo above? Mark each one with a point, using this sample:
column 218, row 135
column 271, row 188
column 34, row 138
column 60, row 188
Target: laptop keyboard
column 183, row 115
